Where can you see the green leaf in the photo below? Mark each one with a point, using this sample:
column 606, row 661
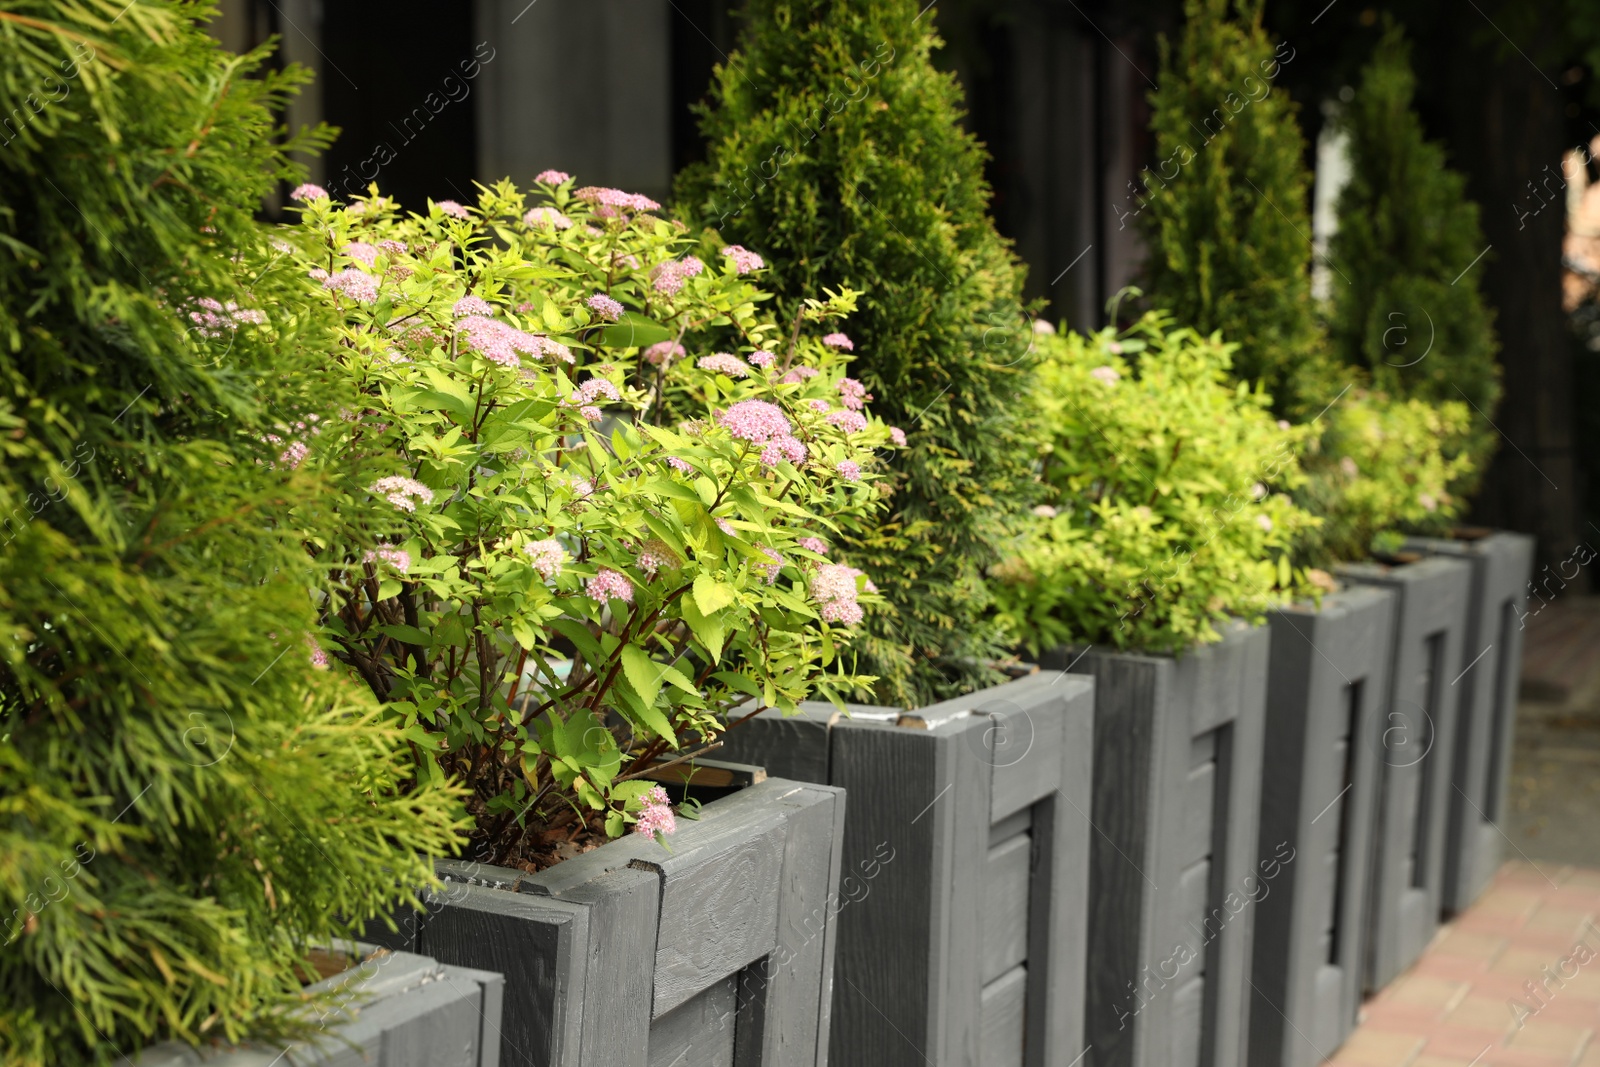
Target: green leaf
column 709, row 630
column 644, row 673
column 710, row 595
column 633, row 330
column 408, row 634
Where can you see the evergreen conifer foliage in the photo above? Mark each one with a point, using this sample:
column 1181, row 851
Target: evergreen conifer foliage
column 835, row 149
column 1225, row 210
column 1411, row 313
column 186, row 802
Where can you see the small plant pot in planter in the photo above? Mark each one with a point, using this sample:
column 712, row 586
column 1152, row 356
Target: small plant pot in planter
column 964, row 897
column 716, row 949
column 394, row 1009
column 1417, row 744
column 1173, row 865
column 1502, row 565
column 1327, row 693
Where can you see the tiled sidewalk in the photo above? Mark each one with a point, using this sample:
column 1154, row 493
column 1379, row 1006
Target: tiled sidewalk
column 1513, row 982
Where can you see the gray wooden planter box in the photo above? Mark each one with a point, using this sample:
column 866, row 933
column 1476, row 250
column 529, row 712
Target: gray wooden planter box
column 1177, row 758
column 1416, row 748
column 1327, row 707
column 717, row 952
column 1491, row 656
column 404, row 1010
column 961, row 935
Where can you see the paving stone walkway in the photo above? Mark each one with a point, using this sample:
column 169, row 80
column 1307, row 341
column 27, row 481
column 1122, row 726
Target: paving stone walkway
column 1513, row 982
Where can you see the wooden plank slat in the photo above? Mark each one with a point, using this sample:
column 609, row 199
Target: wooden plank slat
column 785, row 997
column 1005, row 906
column 1001, row 1006
column 712, row 924
column 1187, row 1023
column 698, row 1031
column 540, row 946
column 1194, row 839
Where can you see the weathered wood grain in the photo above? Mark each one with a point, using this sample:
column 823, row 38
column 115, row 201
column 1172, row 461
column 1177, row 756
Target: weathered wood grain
column 406, row 1011
column 788, row 1010
column 713, row 922
column 699, row 1031
column 1418, row 745
column 1485, row 686
column 1149, row 713
column 931, row 792
column 1001, row 1007
column 1006, row 878
column 1327, row 709
column 539, row 945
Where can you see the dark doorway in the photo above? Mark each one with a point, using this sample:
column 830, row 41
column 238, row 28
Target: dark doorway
column 398, row 82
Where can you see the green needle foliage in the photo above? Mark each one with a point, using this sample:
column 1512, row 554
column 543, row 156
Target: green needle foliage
column 1226, row 209
column 186, row 802
column 1406, row 233
column 836, row 151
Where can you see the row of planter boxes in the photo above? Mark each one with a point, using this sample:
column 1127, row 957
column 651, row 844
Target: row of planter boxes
column 1122, row 860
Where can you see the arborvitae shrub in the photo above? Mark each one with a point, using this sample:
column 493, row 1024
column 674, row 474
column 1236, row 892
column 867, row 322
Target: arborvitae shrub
column 186, row 802
column 1406, row 307
column 836, row 151
column 1225, row 210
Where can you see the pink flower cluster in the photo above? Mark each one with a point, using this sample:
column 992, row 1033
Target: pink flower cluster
column 605, row 307
column 552, row 177
column 357, row 285
column 668, row 277
column 453, row 209
column 361, row 252
column 615, row 199
column 839, row 341
column 319, row 658
column 216, row 319
column 898, row 436
column 654, row 555
column 294, row 455
column 848, row 421
column 499, row 342
column 655, row 814
column 398, row 558
column 662, row 351
column 799, row 374
column 814, row 544
column 783, row 448
column 402, row 492
column 769, row 571
column 546, row 557
column 755, row 420
column 394, row 248
column 546, row 217
column 609, row 585
column 763, row 423
column 849, row 470
column 472, row 305
column 744, row 260
column 761, row 358
column 306, row 192
column 1107, row 375
column 594, row 389
column 852, row 394
column 833, row 587
column 723, row 363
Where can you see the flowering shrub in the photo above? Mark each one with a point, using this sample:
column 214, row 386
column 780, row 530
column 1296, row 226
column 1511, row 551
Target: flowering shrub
column 1382, row 465
column 549, row 581
column 1165, row 509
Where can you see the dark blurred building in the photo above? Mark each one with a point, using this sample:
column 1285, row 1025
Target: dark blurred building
column 432, row 97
